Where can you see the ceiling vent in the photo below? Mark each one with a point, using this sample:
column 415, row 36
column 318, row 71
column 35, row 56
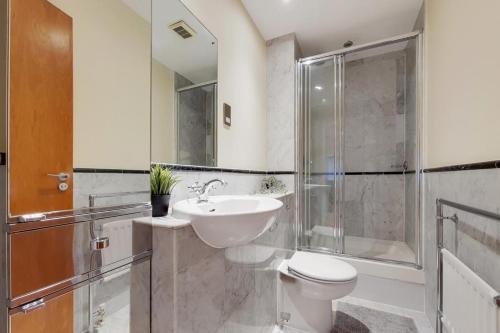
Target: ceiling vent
column 182, row 29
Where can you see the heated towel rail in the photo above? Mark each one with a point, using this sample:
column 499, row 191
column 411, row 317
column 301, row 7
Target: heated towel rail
column 440, row 218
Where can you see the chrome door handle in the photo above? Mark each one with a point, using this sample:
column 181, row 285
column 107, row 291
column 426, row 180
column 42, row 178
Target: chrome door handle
column 62, row 176
column 100, row 243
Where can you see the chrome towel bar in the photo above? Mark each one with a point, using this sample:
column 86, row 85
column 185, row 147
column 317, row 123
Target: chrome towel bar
column 440, row 218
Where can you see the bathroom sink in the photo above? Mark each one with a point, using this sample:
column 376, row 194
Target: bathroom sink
column 227, row 221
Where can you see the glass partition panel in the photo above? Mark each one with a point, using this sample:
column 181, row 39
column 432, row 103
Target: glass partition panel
column 320, row 161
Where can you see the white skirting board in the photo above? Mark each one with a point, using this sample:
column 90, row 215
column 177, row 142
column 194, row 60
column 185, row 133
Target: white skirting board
column 468, row 304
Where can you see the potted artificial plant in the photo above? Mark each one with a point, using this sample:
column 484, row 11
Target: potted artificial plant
column 163, row 182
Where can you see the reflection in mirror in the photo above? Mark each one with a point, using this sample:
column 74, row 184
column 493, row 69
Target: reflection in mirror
column 184, row 87
column 79, row 103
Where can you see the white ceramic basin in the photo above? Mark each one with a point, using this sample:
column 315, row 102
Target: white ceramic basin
column 229, row 220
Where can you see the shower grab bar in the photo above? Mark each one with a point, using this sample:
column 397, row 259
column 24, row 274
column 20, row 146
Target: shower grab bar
column 92, row 197
column 440, row 218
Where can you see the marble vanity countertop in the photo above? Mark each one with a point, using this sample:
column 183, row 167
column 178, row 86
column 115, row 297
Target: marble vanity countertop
column 274, row 195
column 168, row 222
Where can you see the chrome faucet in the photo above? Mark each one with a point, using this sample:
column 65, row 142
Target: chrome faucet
column 202, row 190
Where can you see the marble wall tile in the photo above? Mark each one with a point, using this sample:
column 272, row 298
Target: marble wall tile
column 478, row 242
column 94, row 183
column 281, row 56
column 374, row 206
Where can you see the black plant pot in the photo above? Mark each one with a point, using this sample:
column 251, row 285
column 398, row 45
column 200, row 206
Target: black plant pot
column 160, row 204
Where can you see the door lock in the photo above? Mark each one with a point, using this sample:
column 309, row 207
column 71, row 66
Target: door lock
column 63, row 187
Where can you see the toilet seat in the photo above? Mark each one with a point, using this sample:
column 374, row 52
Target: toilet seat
column 321, row 268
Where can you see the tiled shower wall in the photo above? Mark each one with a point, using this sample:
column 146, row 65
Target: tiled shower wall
column 379, row 136
column 477, row 237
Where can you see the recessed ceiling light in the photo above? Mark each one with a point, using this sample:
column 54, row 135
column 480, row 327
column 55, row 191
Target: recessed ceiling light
column 324, row 100
column 318, row 87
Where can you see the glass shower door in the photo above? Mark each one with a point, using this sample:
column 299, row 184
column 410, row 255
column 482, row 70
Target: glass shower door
column 380, row 152
column 321, row 191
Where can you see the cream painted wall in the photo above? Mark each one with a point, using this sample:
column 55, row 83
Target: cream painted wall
column 462, row 115
column 163, row 122
column 241, row 82
column 111, row 48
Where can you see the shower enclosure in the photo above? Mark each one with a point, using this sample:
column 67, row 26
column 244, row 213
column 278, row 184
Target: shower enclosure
column 358, row 149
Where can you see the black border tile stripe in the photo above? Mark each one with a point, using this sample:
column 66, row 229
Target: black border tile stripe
column 120, row 171
column 3, row 159
column 181, row 167
column 360, row 173
column 464, row 167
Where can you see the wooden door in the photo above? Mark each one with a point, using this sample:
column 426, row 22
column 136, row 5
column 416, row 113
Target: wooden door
column 41, row 107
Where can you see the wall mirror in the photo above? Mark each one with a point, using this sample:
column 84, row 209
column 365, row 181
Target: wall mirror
column 79, row 103
column 184, row 87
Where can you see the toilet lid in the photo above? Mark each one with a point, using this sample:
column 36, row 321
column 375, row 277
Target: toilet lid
column 321, row 267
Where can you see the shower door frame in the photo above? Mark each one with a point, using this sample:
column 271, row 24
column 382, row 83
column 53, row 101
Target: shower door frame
column 301, row 125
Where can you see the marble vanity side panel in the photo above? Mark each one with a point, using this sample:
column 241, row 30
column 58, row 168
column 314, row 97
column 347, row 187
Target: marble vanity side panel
column 199, row 288
column 87, row 183
column 478, row 239
column 140, row 291
column 163, row 317
column 281, row 54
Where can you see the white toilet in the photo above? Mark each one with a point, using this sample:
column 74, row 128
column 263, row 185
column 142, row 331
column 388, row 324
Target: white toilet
column 310, row 281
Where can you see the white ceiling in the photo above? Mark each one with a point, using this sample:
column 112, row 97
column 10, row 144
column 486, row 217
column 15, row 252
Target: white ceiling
column 195, row 58
column 324, row 25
